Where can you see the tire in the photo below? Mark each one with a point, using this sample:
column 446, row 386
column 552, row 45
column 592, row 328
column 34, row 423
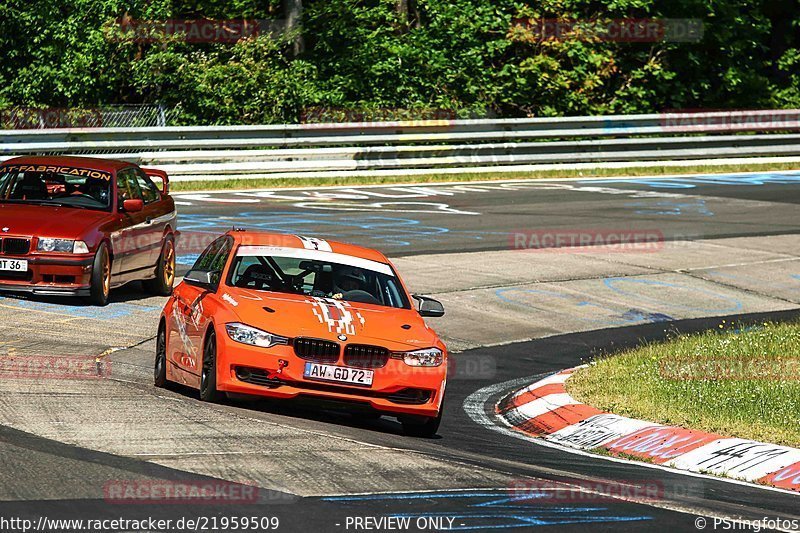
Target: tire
column 160, row 367
column 424, row 427
column 101, row 277
column 161, row 285
column 208, row 374
column 366, row 415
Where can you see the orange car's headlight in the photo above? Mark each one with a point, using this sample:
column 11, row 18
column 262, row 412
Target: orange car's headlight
column 253, row 336
column 426, row 357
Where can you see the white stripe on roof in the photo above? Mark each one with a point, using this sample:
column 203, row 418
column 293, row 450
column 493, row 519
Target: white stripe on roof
column 319, row 255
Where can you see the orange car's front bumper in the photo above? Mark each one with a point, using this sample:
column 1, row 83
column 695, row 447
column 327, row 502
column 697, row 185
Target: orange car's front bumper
column 397, row 388
column 56, row 275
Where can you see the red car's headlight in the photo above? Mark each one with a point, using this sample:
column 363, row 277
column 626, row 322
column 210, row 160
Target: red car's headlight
column 67, row 246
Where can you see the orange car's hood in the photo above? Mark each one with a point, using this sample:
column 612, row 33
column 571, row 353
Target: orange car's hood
column 324, row 318
column 48, row 221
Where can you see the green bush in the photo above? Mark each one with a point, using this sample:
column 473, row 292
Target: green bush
column 465, row 56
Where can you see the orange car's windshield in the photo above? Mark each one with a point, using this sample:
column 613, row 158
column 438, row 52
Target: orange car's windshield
column 352, row 282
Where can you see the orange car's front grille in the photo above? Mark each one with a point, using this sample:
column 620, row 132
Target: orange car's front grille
column 406, row 396
column 15, row 246
column 365, row 356
column 316, row 350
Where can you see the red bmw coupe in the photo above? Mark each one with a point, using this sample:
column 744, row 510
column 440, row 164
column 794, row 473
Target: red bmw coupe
column 82, row 226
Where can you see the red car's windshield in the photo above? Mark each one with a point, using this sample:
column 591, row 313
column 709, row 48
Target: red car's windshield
column 80, row 188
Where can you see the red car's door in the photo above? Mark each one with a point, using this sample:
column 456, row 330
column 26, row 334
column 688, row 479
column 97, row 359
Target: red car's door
column 159, row 213
column 133, row 242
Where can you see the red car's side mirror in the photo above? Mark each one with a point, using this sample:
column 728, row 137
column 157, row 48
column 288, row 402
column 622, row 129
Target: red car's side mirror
column 132, row 206
column 155, row 173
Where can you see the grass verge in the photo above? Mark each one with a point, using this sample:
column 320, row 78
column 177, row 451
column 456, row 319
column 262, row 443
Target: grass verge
column 739, row 382
column 264, row 183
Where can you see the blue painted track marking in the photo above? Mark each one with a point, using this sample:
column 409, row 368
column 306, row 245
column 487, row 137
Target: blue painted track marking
column 110, row 312
column 672, row 208
column 691, row 182
column 484, row 510
column 617, row 316
column 387, row 230
column 613, row 284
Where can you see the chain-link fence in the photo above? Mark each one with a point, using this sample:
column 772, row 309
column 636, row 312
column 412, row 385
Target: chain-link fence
column 112, row 116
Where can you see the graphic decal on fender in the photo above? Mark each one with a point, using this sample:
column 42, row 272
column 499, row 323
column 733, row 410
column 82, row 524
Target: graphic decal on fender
column 339, row 316
column 189, row 357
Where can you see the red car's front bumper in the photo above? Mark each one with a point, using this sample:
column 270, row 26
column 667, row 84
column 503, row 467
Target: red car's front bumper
column 396, row 388
column 50, row 275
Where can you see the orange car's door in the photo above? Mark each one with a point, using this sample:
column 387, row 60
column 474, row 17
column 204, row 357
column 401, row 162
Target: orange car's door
column 187, row 319
column 192, row 313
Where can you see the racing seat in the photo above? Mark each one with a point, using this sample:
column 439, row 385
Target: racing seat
column 259, row 277
column 97, row 188
column 31, row 187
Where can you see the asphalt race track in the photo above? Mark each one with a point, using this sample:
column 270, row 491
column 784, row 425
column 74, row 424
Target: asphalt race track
column 408, row 220
column 731, row 252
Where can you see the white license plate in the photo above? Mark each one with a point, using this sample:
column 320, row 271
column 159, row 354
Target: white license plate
column 14, row 265
column 340, row 374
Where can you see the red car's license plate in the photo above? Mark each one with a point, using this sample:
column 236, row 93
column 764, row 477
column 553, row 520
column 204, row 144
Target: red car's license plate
column 14, row 265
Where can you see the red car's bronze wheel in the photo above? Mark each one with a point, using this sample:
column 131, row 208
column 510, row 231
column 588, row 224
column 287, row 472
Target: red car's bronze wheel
column 106, row 276
column 101, row 276
column 169, row 263
column 161, row 285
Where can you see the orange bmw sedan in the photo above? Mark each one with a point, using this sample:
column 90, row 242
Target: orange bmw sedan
column 286, row 316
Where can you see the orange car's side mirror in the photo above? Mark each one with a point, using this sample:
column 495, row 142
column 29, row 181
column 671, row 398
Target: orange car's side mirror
column 428, row 307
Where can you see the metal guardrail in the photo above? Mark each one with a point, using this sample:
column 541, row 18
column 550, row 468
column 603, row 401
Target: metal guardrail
column 477, row 145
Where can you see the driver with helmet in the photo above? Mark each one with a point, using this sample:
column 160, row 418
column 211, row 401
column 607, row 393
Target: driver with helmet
column 348, row 279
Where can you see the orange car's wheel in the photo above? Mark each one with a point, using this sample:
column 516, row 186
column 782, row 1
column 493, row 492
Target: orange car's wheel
column 160, row 367
column 208, row 376
column 101, row 277
column 425, row 427
column 161, row 285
